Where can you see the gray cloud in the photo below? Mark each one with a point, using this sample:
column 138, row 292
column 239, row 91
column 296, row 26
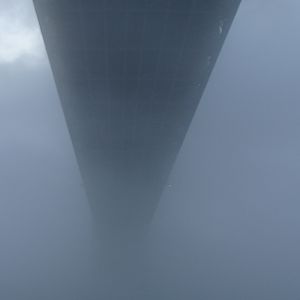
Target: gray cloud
column 20, row 37
column 227, row 227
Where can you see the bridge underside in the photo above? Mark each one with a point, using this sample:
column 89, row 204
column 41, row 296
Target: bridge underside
column 130, row 74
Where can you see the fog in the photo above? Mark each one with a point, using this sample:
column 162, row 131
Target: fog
column 227, row 225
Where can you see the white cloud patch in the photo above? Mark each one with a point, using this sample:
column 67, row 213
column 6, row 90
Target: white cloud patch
column 20, row 37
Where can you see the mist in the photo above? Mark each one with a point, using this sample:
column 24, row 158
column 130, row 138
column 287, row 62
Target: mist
column 227, row 224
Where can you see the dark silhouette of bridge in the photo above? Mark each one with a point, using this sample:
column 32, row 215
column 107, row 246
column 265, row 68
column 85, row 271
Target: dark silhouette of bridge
column 130, row 74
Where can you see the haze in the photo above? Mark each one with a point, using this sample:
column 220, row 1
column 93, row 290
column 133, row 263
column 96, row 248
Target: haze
column 227, row 226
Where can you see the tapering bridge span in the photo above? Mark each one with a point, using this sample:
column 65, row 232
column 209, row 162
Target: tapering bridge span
column 130, row 74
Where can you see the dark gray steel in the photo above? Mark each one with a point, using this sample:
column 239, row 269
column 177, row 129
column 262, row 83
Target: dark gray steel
column 130, row 74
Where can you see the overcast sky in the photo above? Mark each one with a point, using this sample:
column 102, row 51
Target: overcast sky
column 228, row 224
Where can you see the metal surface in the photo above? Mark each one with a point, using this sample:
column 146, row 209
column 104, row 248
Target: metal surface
column 130, row 74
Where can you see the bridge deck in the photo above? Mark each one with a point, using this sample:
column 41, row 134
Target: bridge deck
column 130, row 74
